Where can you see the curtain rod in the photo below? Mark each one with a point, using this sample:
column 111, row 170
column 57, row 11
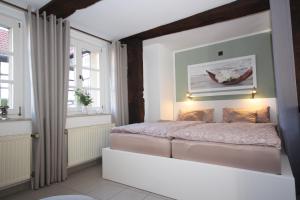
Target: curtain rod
column 25, row 10
column 76, row 29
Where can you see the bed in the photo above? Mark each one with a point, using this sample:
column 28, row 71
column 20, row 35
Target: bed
column 191, row 170
column 202, row 166
column 240, row 145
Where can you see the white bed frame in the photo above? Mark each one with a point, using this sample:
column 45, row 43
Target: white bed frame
column 187, row 180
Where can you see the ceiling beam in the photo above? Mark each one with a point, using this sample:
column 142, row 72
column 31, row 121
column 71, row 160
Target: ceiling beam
column 295, row 16
column 236, row 9
column 65, row 8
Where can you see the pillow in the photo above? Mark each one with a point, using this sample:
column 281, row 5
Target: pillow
column 239, row 115
column 197, row 115
column 263, row 115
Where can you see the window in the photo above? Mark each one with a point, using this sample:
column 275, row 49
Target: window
column 10, row 62
column 87, row 72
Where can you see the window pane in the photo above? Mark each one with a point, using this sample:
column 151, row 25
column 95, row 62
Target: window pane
column 72, row 56
column 95, row 94
column 86, row 78
column 4, row 39
column 6, row 92
column 5, row 72
column 86, row 58
column 95, row 79
column 95, row 60
column 71, row 98
column 72, row 77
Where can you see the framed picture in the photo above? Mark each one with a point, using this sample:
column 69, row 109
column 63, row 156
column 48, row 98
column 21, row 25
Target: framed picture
column 235, row 74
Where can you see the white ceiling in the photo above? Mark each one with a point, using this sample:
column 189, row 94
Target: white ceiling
column 214, row 33
column 35, row 4
column 116, row 19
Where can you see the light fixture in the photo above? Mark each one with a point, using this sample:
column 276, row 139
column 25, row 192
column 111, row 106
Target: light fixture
column 188, row 95
column 253, row 92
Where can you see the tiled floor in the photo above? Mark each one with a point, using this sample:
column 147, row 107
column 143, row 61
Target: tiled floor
column 89, row 182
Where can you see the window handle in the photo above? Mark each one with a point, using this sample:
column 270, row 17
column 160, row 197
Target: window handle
column 20, row 111
column 80, row 77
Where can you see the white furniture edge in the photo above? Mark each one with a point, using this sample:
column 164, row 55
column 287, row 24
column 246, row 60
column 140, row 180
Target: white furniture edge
column 188, row 180
column 218, row 105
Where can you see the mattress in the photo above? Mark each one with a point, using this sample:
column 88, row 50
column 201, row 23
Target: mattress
column 141, row 144
column 252, row 157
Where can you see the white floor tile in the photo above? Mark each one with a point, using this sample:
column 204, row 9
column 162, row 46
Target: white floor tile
column 129, row 195
column 105, row 190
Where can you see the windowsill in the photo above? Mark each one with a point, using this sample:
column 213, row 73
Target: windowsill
column 14, row 119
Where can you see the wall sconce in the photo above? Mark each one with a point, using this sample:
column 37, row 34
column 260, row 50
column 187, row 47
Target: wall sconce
column 253, row 93
column 188, row 95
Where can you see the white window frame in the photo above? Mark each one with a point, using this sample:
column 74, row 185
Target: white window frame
column 17, row 46
column 82, row 41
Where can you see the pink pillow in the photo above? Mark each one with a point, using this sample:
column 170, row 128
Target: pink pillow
column 239, row 115
column 197, row 115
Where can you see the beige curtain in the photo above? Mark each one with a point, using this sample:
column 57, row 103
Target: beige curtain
column 49, row 43
column 119, row 90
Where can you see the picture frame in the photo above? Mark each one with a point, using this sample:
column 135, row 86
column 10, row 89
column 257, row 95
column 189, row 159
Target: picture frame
column 223, row 77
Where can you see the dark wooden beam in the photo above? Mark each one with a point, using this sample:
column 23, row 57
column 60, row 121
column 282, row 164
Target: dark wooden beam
column 295, row 16
column 136, row 105
column 237, row 9
column 65, row 8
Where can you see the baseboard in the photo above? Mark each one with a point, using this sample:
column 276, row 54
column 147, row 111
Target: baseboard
column 15, row 188
column 83, row 166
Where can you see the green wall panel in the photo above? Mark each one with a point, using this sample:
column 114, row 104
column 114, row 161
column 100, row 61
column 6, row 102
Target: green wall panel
column 259, row 45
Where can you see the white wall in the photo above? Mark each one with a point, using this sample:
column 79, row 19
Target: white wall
column 151, row 82
column 158, row 83
column 166, row 83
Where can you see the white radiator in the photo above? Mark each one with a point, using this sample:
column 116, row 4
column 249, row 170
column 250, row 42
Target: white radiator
column 15, row 159
column 86, row 143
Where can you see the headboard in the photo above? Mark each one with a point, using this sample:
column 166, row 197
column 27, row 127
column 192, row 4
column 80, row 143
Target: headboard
column 218, row 105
